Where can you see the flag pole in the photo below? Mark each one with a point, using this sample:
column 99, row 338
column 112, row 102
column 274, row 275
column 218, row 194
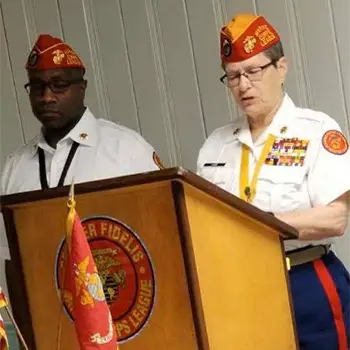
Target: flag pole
column 16, row 327
column 70, row 202
column 71, row 193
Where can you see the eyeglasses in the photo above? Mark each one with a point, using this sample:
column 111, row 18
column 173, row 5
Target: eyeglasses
column 56, row 86
column 252, row 74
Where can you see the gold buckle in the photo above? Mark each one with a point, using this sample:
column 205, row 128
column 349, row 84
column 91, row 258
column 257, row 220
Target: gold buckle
column 288, row 263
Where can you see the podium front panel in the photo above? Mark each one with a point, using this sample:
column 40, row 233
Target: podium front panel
column 148, row 212
column 242, row 276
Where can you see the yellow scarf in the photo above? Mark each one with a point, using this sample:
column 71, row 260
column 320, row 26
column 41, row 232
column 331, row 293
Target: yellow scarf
column 248, row 191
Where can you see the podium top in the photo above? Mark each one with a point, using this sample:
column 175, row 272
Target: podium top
column 177, row 174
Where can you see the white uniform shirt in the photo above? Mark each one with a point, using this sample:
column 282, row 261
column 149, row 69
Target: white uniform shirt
column 322, row 178
column 105, row 150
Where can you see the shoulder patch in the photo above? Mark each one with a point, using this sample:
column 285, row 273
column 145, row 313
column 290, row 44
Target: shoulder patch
column 335, row 142
column 157, row 161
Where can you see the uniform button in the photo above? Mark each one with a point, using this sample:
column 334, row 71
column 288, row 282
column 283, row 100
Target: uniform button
column 83, row 136
column 283, row 129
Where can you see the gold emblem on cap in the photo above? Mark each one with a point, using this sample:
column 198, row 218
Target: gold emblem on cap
column 265, row 35
column 249, row 44
column 83, row 136
column 72, row 58
column 58, row 56
column 283, row 129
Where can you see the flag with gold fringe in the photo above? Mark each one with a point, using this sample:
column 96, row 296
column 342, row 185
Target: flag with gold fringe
column 3, row 300
column 92, row 318
column 3, row 336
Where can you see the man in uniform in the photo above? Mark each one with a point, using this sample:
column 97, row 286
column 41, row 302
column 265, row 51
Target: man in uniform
column 291, row 162
column 72, row 142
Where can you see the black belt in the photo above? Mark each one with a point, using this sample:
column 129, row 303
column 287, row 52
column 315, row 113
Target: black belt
column 307, row 254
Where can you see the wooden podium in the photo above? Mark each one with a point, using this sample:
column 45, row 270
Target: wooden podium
column 194, row 266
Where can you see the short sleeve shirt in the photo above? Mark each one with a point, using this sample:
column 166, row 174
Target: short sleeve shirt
column 105, row 150
column 308, row 163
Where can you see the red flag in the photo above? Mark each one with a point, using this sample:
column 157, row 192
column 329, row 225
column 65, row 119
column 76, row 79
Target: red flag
column 3, row 337
column 92, row 318
column 3, row 300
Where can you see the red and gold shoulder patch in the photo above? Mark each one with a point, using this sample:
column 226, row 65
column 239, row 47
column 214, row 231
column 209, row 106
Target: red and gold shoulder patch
column 335, row 142
column 157, row 161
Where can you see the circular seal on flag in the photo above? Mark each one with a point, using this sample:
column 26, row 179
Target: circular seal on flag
column 335, row 142
column 125, row 270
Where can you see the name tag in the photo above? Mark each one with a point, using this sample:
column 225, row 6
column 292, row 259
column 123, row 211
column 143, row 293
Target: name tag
column 214, row 164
